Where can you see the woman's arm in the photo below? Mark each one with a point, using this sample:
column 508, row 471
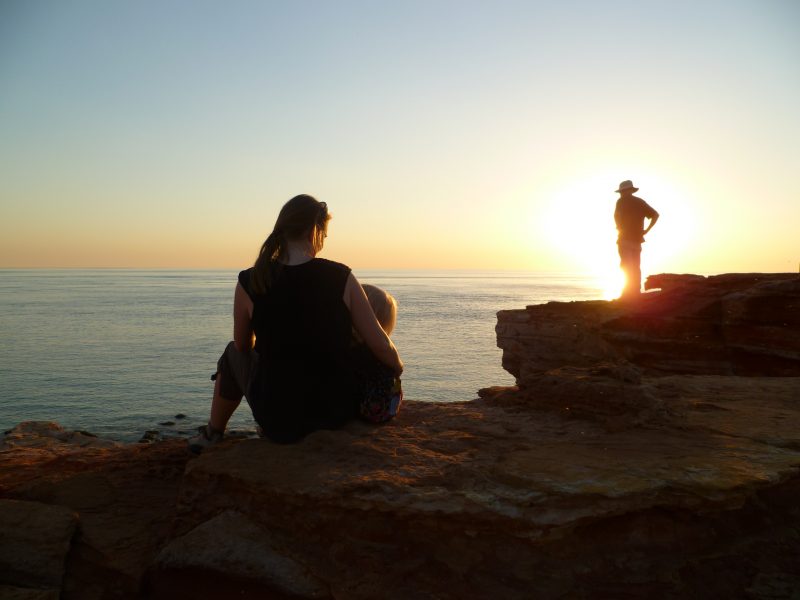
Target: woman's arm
column 243, row 337
column 367, row 325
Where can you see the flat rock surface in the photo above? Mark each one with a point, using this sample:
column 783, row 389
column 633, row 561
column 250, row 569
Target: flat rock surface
column 508, row 496
column 504, row 459
column 457, row 482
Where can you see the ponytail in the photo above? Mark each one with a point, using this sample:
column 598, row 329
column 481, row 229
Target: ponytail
column 272, row 249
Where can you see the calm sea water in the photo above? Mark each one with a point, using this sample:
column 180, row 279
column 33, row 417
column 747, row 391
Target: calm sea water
column 119, row 352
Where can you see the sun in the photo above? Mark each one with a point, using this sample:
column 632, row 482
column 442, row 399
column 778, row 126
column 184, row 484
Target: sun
column 580, row 232
column 578, row 225
column 611, row 284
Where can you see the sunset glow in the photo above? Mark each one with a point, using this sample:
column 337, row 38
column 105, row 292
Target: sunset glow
column 487, row 136
column 578, row 225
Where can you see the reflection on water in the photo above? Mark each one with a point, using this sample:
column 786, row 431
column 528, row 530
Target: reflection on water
column 119, row 351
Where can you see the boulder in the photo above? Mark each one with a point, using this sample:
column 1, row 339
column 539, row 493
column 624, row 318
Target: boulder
column 34, row 541
column 124, row 495
column 233, row 546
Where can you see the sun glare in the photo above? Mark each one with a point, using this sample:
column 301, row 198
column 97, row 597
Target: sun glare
column 611, row 284
column 578, row 225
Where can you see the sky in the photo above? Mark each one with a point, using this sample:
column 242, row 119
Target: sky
column 442, row 134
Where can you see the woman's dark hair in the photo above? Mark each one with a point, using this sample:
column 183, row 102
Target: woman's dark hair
column 300, row 217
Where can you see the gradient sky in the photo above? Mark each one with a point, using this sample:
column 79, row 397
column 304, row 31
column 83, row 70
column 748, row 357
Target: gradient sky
column 442, row 134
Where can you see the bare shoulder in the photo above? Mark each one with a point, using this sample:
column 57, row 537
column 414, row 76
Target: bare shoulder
column 242, row 303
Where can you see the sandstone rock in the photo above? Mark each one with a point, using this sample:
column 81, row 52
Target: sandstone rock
column 233, row 546
column 150, row 436
column 34, row 541
column 669, row 281
column 483, row 498
column 124, row 494
column 726, row 325
column 49, row 435
column 8, row 592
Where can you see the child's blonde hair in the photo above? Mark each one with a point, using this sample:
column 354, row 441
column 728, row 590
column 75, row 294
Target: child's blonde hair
column 383, row 305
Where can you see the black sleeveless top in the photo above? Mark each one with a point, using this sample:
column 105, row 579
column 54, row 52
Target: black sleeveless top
column 303, row 330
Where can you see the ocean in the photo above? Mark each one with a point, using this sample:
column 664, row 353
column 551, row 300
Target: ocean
column 121, row 352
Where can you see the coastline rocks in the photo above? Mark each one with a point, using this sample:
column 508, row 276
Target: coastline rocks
column 123, row 494
column 624, row 464
column 470, row 499
column 34, row 541
column 492, row 498
column 150, row 436
column 232, row 546
column 44, row 435
column 734, row 324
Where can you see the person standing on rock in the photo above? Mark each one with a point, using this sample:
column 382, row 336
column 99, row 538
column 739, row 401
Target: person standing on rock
column 629, row 215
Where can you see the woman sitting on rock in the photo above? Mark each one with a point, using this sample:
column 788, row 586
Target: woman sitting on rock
column 293, row 320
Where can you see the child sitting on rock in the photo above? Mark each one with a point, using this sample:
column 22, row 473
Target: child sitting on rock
column 380, row 392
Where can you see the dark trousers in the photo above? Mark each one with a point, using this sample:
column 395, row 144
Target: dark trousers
column 630, row 257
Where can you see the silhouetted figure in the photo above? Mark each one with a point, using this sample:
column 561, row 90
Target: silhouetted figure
column 629, row 216
column 293, row 321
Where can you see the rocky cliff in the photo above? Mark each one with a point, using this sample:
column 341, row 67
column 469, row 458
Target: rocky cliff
column 648, row 449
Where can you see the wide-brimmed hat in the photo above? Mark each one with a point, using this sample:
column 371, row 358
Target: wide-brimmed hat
column 627, row 185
